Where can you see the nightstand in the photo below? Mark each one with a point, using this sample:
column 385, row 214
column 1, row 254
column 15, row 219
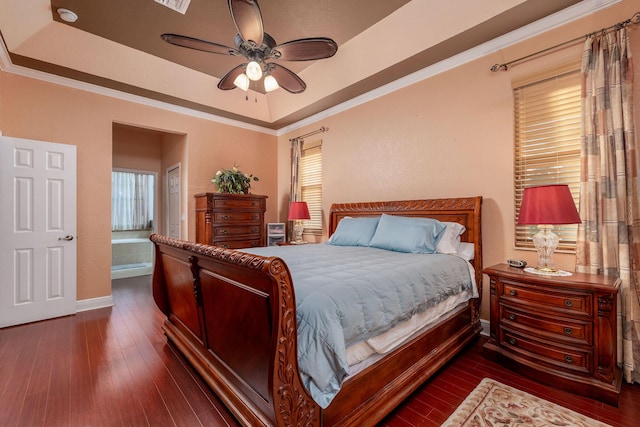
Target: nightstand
column 559, row 330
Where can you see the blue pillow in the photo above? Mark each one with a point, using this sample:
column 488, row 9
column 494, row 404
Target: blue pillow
column 354, row 231
column 406, row 234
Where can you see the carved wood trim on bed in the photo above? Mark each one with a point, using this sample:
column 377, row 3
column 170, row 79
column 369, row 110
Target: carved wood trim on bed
column 232, row 315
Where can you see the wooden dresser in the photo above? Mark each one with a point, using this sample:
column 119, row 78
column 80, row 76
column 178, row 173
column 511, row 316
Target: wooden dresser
column 559, row 330
column 230, row 220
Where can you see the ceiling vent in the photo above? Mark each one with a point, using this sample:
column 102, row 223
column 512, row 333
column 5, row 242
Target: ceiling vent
column 177, row 5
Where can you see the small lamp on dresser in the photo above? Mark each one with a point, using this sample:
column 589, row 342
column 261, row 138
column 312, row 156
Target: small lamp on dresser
column 546, row 206
column 298, row 211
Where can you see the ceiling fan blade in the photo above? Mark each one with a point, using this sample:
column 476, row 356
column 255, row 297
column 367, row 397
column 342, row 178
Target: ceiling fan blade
column 287, row 79
column 226, row 82
column 305, row 49
column 198, row 44
column 248, row 20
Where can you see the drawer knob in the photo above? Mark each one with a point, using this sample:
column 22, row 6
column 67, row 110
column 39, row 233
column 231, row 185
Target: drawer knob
column 512, row 317
column 224, row 246
column 255, row 217
column 568, row 359
column 225, row 217
column 223, row 231
column 568, row 303
column 512, row 341
column 513, row 292
column 568, row 331
column 254, row 230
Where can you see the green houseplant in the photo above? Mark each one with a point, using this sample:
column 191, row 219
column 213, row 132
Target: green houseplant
column 233, row 181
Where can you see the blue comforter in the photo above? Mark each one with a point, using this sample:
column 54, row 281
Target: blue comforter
column 346, row 294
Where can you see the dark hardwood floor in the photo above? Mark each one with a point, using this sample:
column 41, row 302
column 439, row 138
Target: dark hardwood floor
column 113, row 367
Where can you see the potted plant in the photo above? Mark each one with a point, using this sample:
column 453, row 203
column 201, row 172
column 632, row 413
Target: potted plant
column 233, row 181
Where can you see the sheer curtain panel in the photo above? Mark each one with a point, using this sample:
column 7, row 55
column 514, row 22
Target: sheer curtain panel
column 131, row 201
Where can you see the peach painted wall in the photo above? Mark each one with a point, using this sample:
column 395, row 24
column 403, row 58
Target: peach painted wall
column 450, row 135
column 39, row 110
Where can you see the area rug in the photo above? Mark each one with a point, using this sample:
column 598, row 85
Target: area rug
column 494, row 404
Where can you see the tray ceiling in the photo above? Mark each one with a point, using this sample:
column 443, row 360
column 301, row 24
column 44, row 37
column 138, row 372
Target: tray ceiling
column 116, row 44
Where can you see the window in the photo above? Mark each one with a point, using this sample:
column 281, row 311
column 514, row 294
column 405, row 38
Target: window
column 547, row 144
column 311, row 183
column 132, row 200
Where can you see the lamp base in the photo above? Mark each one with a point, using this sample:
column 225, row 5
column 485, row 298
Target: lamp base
column 298, row 228
column 545, row 242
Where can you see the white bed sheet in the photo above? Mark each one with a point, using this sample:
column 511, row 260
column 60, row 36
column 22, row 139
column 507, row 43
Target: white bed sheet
column 392, row 339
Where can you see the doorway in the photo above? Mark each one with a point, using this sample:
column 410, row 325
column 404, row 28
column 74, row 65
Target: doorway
column 154, row 152
column 133, row 213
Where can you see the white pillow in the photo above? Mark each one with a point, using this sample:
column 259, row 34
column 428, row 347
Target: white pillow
column 450, row 240
column 466, row 251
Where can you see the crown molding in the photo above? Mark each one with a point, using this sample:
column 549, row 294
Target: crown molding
column 558, row 19
column 7, row 66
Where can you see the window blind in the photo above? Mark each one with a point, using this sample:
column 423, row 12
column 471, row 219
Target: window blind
column 547, row 145
column 311, row 184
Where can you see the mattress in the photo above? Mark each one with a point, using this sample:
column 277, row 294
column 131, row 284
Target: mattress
column 349, row 297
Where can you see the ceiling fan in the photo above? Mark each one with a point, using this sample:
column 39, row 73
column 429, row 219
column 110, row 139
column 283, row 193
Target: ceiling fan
column 258, row 47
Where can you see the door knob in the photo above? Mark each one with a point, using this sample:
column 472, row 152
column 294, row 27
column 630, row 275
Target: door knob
column 68, row 238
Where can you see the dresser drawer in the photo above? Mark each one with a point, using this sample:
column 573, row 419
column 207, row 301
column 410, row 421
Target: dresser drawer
column 238, row 204
column 232, row 217
column 571, row 303
column 239, row 230
column 238, row 244
column 571, row 359
column 555, row 329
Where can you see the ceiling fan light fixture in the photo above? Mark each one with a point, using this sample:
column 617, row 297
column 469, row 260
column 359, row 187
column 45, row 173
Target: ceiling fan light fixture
column 242, row 82
column 270, row 83
column 254, row 71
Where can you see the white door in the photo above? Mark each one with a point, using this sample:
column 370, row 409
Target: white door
column 173, row 187
column 38, row 229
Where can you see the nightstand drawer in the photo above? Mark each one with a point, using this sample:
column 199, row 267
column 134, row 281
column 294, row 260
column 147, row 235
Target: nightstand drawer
column 562, row 330
column 570, row 359
column 547, row 299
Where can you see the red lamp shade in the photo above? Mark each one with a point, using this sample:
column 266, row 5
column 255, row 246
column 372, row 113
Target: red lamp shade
column 298, row 210
column 548, row 204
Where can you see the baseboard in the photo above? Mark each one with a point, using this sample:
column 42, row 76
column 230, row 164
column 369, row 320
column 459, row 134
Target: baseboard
column 125, row 273
column 485, row 327
column 94, row 303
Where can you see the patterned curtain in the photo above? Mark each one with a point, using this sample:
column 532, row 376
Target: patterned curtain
column 296, row 188
column 609, row 236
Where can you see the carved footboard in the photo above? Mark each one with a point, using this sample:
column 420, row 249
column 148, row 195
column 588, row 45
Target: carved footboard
column 233, row 317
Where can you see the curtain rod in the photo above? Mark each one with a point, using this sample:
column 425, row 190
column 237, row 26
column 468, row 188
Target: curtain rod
column 635, row 19
column 321, row 130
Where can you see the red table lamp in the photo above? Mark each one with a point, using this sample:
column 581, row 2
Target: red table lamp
column 298, row 211
column 546, row 206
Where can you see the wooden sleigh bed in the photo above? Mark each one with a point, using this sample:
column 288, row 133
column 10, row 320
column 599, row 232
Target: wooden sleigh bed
column 209, row 293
